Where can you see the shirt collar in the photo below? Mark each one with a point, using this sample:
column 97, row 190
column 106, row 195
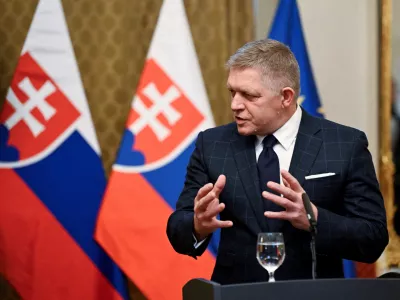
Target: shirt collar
column 287, row 133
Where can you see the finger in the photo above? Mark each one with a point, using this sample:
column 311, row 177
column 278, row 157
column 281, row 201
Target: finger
column 294, row 184
column 285, row 191
column 224, row 224
column 213, row 212
column 282, row 215
column 286, row 183
column 219, row 185
column 283, row 202
column 203, row 203
column 203, row 191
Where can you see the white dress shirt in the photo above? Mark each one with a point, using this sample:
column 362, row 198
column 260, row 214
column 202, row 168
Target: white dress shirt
column 286, row 136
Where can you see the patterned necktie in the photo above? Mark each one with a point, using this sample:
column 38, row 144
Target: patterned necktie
column 268, row 167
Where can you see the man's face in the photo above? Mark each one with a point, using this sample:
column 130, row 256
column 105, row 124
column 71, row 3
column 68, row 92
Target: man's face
column 256, row 108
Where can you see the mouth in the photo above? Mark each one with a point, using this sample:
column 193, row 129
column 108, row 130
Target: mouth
column 239, row 120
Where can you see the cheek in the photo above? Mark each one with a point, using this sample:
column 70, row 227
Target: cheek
column 262, row 116
column 258, row 112
column 253, row 110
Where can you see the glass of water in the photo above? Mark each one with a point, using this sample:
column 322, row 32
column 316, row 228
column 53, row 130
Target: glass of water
column 270, row 252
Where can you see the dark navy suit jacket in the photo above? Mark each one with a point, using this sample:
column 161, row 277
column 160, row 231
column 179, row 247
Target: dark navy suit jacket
column 351, row 213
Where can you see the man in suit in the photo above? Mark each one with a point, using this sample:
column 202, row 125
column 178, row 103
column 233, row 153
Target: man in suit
column 253, row 172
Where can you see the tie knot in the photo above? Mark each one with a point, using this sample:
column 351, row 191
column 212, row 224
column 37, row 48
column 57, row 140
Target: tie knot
column 269, row 141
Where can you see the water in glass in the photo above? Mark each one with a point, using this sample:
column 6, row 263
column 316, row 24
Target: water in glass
column 270, row 252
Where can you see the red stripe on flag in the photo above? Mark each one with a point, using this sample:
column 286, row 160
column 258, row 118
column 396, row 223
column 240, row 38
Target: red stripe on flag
column 364, row 270
column 132, row 228
column 37, row 255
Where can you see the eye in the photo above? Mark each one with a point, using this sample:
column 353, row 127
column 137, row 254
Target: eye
column 249, row 96
column 233, row 93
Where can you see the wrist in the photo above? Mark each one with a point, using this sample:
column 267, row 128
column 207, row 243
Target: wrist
column 198, row 233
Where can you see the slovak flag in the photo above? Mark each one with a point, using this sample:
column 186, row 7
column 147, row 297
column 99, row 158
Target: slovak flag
column 51, row 176
column 169, row 109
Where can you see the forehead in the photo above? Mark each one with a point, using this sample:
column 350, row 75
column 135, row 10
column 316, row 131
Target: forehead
column 242, row 78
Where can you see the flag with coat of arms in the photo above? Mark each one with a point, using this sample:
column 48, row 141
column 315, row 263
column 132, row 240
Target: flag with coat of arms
column 168, row 110
column 51, row 175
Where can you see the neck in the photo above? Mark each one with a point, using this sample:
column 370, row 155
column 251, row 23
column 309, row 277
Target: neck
column 285, row 115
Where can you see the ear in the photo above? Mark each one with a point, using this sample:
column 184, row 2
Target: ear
column 287, row 94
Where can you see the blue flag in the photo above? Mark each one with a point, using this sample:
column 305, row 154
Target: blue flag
column 287, row 29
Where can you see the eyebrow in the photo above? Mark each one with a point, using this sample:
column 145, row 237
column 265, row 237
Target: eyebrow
column 243, row 90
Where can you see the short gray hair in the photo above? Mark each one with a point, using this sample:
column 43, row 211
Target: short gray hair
column 276, row 61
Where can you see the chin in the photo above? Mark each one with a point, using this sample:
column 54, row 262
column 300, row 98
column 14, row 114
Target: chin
column 244, row 130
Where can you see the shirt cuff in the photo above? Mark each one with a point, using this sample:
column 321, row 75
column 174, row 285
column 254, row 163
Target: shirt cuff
column 197, row 244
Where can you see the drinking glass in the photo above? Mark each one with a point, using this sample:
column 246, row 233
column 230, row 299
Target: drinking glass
column 270, row 252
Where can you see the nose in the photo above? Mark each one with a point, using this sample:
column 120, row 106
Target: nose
column 237, row 102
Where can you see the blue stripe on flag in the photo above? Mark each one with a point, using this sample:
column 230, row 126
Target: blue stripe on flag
column 71, row 183
column 349, row 269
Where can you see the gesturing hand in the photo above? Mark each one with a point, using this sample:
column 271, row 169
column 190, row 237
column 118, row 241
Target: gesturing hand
column 207, row 207
column 292, row 201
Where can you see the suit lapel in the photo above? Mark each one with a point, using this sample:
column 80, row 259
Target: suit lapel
column 305, row 152
column 245, row 159
column 308, row 144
